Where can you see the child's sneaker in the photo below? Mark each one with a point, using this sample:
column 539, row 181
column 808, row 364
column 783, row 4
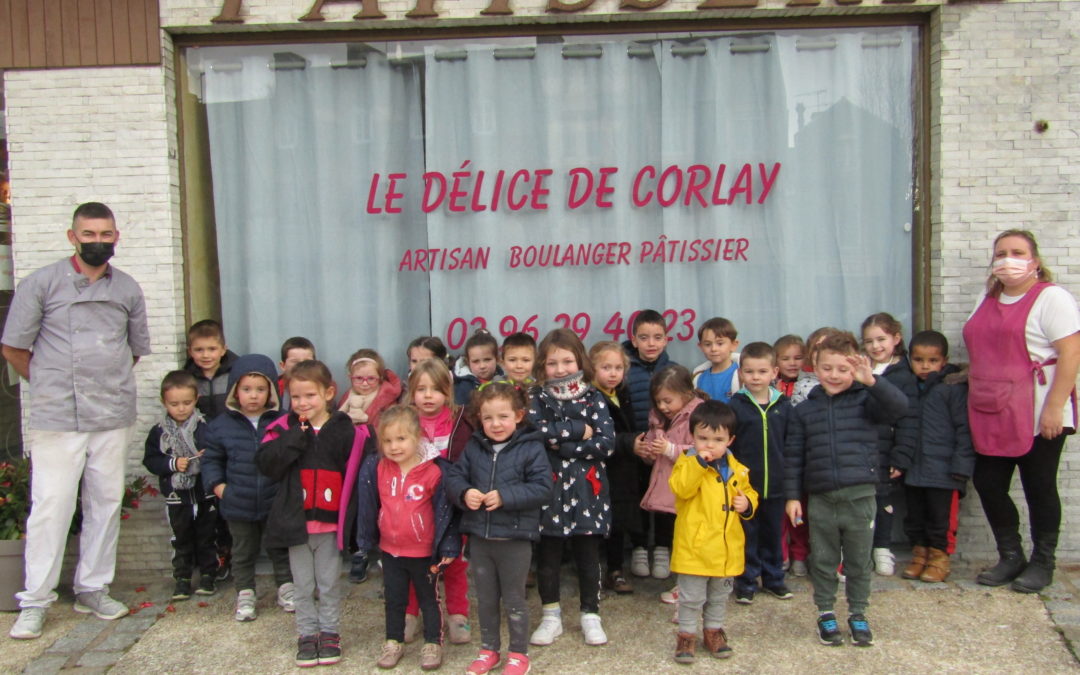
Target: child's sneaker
column 593, row 629
column 224, row 570
column 329, row 648
column 431, row 656
column 391, row 654
column 860, row 631
column 829, row 630
column 307, row 651
column 661, row 562
column 286, row 597
column 358, row 568
column 684, row 647
column 779, row 590
column 412, row 628
column 615, row 581
column 245, row 605
column 884, row 562
column 639, row 562
column 516, row 664
column 798, row 568
column 550, row 627
column 459, row 631
column 182, row 589
column 484, row 662
column 744, row 596
column 207, row 585
column 716, row 643
column 670, row 597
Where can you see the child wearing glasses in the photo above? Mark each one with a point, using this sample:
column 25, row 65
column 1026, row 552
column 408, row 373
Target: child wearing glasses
column 372, row 388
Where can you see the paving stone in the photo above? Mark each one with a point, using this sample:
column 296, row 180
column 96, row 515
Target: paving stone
column 72, row 642
column 118, row 641
column 46, row 665
column 921, row 586
column 969, row 585
column 141, row 621
column 100, row 659
column 880, row 583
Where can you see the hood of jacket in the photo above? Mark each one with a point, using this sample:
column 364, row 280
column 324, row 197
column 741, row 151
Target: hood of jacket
column 253, row 364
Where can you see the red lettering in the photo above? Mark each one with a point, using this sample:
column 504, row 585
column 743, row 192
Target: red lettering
column 371, row 208
column 743, row 244
column 743, row 184
column 671, row 170
column 538, row 190
column 426, row 205
column 638, row 201
column 624, row 252
column 476, row 205
column 391, row 195
column 516, row 205
column 694, row 188
column 716, row 198
column 767, row 181
column 573, row 200
column 603, row 189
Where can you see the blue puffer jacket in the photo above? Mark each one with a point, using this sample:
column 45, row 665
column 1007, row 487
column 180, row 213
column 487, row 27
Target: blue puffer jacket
column 231, row 443
column 520, row 472
column 832, row 441
column 637, row 382
column 943, row 456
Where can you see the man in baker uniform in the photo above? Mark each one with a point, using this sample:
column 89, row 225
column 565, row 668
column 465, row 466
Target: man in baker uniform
column 75, row 330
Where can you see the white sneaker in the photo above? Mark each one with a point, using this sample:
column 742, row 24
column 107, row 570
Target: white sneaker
column 639, row 562
column 28, row 625
column 798, row 568
column 245, row 605
column 550, row 627
column 286, row 593
column 593, row 630
column 884, row 562
column 670, row 597
column 661, row 562
column 100, row 605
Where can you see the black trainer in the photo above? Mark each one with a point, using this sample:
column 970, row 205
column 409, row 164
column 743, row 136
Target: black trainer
column 207, row 585
column 779, row 590
column 307, row 651
column 744, row 596
column 860, row 631
column 329, row 648
column 182, row 590
column 358, row 568
column 828, row 630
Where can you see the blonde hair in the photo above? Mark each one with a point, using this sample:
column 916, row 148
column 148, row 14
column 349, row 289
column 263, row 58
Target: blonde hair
column 608, row 346
column 440, row 376
column 993, row 286
column 405, row 415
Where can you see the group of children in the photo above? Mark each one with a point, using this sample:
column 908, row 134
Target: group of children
column 770, row 459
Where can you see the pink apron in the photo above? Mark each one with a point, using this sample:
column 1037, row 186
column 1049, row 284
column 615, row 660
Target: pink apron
column 1001, row 382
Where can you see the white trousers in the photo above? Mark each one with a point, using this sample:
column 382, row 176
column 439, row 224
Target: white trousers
column 60, row 460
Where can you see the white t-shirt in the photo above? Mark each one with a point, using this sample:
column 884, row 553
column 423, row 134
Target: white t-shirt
column 1054, row 316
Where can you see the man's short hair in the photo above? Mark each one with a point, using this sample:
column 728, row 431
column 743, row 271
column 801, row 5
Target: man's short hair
column 207, row 328
column 297, row 342
column 648, row 316
column 92, row 211
column 759, row 350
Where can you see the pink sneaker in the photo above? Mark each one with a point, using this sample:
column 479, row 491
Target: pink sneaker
column 484, row 662
column 670, row 597
column 516, row 664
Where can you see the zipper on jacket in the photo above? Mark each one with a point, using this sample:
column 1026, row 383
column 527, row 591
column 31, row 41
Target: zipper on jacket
column 832, row 444
column 491, row 486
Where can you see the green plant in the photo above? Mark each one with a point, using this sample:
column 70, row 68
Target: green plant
column 14, row 498
column 137, row 488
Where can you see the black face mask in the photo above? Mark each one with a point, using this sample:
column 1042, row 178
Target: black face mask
column 96, row 253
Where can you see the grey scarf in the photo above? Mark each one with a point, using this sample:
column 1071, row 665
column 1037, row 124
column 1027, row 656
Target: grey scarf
column 178, row 440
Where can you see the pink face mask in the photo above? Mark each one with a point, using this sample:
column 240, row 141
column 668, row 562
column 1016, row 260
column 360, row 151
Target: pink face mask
column 1012, row 270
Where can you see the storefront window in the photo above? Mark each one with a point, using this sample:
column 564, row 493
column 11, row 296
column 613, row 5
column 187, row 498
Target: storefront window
column 365, row 194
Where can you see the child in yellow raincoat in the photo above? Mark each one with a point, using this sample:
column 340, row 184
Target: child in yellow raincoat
column 712, row 492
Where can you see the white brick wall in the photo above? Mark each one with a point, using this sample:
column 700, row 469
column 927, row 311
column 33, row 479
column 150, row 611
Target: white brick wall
column 110, row 134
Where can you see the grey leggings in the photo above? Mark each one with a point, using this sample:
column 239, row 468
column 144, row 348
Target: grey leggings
column 499, row 568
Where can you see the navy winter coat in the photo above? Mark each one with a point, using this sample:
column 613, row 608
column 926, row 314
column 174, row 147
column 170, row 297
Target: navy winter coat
column 520, row 472
column 627, row 473
column 213, row 391
column 900, row 436
column 637, row 382
column 231, row 443
column 832, row 440
column 943, row 448
column 760, row 432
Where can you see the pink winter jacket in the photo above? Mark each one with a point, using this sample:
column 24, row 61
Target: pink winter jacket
column 658, row 497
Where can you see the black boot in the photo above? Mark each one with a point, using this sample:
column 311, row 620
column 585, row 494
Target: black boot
column 1011, row 560
column 1040, row 571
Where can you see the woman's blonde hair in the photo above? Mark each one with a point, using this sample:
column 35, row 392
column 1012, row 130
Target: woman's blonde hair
column 993, row 286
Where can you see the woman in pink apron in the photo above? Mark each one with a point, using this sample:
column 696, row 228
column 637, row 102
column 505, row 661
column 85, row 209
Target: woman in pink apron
column 1024, row 343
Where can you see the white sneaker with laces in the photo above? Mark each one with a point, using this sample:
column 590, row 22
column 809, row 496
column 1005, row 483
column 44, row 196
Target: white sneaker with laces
column 28, row 625
column 884, row 562
column 245, row 605
column 639, row 562
column 593, row 629
column 100, row 605
column 550, row 628
column 286, row 593
column 670, row 597
column 661, row 562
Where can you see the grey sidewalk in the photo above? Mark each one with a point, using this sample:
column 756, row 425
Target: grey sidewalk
column 941, row 627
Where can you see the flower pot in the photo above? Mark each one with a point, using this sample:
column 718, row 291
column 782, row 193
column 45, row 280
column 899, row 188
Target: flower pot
column 11, row 572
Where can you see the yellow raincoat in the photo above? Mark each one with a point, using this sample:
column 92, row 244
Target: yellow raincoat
column 709, row 540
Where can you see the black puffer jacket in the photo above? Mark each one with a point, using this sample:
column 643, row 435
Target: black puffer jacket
column 520, row 472
column 943, row 448
column 638, row 378
column 213, row 391
column 832, row 440
column 759, row 441
column 900, row 436
column 627, row 473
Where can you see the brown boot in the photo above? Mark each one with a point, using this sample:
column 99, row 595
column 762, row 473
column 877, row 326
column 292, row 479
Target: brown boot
column 937, row 567
column 915, row 568
column 716, row 643
column 684, row 647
